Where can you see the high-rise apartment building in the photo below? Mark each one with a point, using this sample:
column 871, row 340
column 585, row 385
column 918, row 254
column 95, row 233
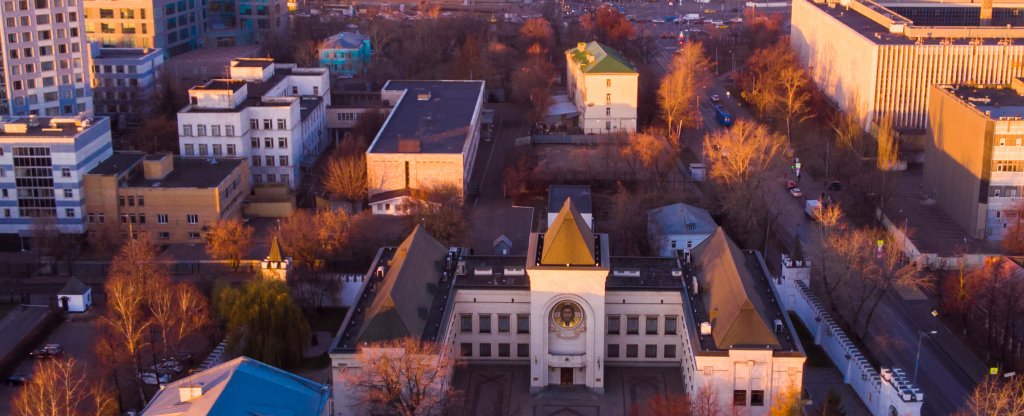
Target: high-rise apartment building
column 176, row 26
column 45, row 68
column 881, row 58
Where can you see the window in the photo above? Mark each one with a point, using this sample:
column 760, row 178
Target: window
column 608, row 111
column 613, row 350
column 522, row 350
column 466, row 349
column 65, row 172
column 282, row 160
column 267, row 124
column 485, row 349
column 217, row 151
column 608, row 82
column 231, row 149
column 163, row 235
column 92, row 218
column 161, row 218
column 268, row 143
column 69, row 212
column 271, row 178
column 739, row 397
column 504, row 324
column 190, row 149
column 192, row 218
column 652, row 325
column 485, row 323
column 295, row 90
column 284, row 178
column 67, row 193
column 269, row 160
column 254, row 124
column 757, row 397
column 670, row 351
column 203, row 150
column 614, row 326
column 504, row 350
column 607, row 99
column 256, row 161
column 282, row 142
column 215, row 130
column 670, row 325
column 142, row 218
column 101, row 218
column 255, row 143
column 632, row 350
column 608, row 125
column 632, row 325
column 229, row 130
column 281, row 124
column 650, row 351
column 316, row 90
column 131, row 201
column 523, row 323
column 466, row 323
column 193, row 235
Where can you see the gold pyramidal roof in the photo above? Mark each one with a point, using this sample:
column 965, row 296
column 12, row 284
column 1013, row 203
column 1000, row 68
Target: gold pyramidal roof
column 275, row 251
column 569, row 241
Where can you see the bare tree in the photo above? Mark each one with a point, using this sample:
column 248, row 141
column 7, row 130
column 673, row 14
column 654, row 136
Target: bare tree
column 681, row 86
column 706, row 402
column 536, row 31
column 192, row 312
column 405, row 376
column 345, row 176
column 229, row 240
column 888, row 147
column 997, row 397
column 794, row 103
column 314, row 237
column 51, row 244
column 650, row 153
column 663, row 405
column 60, row 387
column 126, row 290
column 441, row 212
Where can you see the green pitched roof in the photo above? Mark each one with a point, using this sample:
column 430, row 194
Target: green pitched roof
column 569, row 241
column 605, row 60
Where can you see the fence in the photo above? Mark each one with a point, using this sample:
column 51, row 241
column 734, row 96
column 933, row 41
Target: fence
column 883, row 392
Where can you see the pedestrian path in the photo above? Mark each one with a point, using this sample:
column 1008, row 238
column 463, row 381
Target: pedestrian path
column 910, row 292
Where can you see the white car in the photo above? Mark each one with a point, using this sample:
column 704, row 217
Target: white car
column 796, row 192
column 736, row 20
column 715, row 98
column 717, row 22
column 150, row 378
column 656, row 20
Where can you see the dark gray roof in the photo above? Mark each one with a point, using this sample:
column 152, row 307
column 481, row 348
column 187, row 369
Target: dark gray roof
column 403, row 302
column 118, row 163
column 344, row 40
column 435, row 114
column 681, row 218
column 221, row 84
column 995, row 100
column 74, row 287
column 579, row 194
column 190, row 173
column 729, row 292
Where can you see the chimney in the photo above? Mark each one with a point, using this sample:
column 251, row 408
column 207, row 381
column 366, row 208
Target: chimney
column 189, row 393
column 986, row 12
column 156, row 167
column 581, row 46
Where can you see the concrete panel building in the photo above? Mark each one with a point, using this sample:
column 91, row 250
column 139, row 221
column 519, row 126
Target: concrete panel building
column 974, row 156
column 568, row 311
column 42, row 164
column 430, row 137
column 45, row 65
column 244, row 22
column 164, row 198
column 272, row 114
column 124, row 82
column 175, row 26
column 347, row 53
column 879, row 58
column 603, row 84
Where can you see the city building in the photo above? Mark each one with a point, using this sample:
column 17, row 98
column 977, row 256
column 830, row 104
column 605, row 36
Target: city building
column 429, row 138
column 233, row 23
column 567, row 312
column 876, row 59
column 678, row 227
column 348, row 106
column 272, row 114
column 42, row 162
column 174, row 26
column 242, row 386
column 347, row 53
column 164, row 198
column 200, row 65
column 603, row 84
column 45, row 65
column 974, row 155
column 124, row 82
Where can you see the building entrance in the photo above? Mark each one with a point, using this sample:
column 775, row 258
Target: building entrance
column 566, row 377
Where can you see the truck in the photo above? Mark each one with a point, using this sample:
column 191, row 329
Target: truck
column 812, row 207
column 691, row 17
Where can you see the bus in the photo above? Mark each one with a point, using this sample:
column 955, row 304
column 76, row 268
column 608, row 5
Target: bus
column 723, row 117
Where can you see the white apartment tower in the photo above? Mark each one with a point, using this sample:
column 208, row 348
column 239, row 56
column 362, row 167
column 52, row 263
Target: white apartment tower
column 272, row 114
column 44, row 67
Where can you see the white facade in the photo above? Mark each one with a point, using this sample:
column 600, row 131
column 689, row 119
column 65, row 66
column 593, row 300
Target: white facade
column 76, row 303
column 604, row 88
column 272, row 114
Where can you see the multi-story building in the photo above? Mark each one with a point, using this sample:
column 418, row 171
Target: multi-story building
column 42, row 162
column 347, row 53
column 603, row 84
column 124, row 82
column 974, row 155
column 876, row 59
column 164, row 198
column 175, row 26
column 243, row 22
column 568, row 313
column 272, row 114
column 429, row 139
column 45, row 64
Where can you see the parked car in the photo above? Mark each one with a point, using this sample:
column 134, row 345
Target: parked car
column 656, row 20
column 710, row 11
column 835, row 186
column 47, row 351
column 715, row 98
column 345, row 76
column 17, row 380
column 795, row 192
column 152, row 379
column 170, row 366
column 717, row 23
column 790, row 185
column 736, row 20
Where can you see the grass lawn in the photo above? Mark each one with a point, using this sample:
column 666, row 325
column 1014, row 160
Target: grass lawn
column 328, row 320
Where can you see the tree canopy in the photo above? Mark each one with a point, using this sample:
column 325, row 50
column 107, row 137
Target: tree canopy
column 263, row 322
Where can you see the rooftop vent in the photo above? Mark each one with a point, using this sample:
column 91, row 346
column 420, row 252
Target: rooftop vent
column 189, row 393
column 705, row 328
column 33, row 120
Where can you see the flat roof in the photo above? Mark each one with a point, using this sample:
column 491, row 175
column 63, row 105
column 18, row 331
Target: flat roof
column 252, row 62
column 65, row 127
column 221, row 84
column 191, row 173
column 437, row 115
column 879, row 34
column 118, row 163
column 126, row 53
column 997, row 101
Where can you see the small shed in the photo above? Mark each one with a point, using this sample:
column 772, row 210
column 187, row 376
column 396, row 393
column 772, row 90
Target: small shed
column 75, row 296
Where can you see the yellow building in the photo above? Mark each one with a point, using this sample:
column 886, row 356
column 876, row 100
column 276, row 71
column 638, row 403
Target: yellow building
column 162, row 197
column 603, row 84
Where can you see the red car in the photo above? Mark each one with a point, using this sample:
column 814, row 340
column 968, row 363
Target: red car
column 790, row 185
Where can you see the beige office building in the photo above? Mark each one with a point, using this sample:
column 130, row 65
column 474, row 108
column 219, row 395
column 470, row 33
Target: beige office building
column 882, row 58
column 174, row 26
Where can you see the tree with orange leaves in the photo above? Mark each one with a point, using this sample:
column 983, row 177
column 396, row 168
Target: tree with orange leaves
column 229, row 240
column 537, row 31
column 60, row 387
column 608, row 25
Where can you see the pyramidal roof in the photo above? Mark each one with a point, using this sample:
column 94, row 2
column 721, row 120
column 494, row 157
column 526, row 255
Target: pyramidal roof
column 569, row 241
column 400, row 308
column 275, row 251
column 728, row 290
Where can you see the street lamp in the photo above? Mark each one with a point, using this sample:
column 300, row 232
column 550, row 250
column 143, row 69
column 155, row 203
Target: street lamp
column 920, row 336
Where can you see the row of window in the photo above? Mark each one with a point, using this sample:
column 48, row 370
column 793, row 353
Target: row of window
column 269, row 161
column 115, row 69
column 739, row 398
column 271, row 178
column 504, row 323
column 39, row 212
column 1008, row 165
column 650, row 325
column 268, row 124
column 484, row 350
column 229, row 130
column 190, row 149
column 650, row 351
column 268, row 142
column 523, row 350
column 100, row 218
